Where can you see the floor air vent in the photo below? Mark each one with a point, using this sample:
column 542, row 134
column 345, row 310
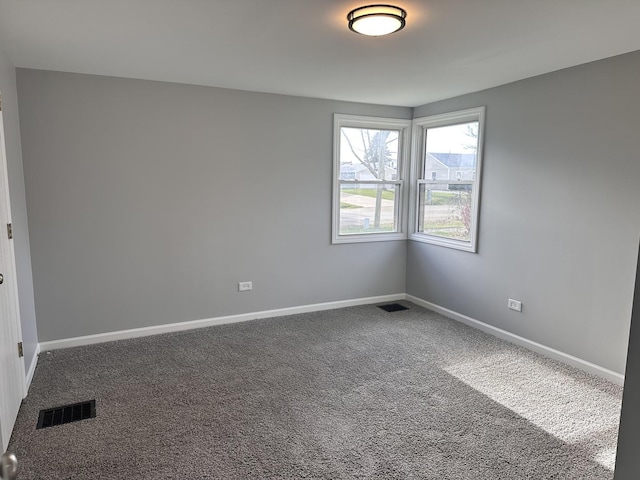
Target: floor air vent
column 66, row 414
column 393, row 307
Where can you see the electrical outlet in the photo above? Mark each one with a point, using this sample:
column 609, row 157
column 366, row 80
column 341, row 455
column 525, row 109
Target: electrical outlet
column 514, row 305
column 245, row 286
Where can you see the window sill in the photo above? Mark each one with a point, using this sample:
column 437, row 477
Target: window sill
column 444, row 242
column 368, row 237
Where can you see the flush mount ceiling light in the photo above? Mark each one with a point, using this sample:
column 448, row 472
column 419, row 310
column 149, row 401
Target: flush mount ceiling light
column 376, row 20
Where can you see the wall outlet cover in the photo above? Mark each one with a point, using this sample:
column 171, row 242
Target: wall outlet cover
column 514, row 305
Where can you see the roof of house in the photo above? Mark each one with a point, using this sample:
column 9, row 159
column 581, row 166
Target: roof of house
column 456, row 160
column 348, row 167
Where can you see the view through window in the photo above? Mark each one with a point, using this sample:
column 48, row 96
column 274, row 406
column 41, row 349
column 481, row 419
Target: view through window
column 448, row 184
column 368, row 190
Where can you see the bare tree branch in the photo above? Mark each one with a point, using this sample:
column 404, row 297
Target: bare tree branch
column 360, row 159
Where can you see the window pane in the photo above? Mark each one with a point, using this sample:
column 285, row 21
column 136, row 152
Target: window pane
column 451, row 152
column 445, row 210
column 368, row 165
column 368, row 154
column 368, row 208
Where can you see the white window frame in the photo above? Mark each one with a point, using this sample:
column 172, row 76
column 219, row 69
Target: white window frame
column 420, row 126
column 379, row 123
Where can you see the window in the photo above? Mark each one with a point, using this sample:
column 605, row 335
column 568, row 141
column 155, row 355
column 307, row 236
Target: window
column 447, row 161
column 368, row 191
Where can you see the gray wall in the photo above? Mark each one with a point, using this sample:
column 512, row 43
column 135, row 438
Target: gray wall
column 148, row 203
column 627, row 460
column 559, row 224
column 18, row 207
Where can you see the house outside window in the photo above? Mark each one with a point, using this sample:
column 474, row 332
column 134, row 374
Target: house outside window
column 369, row 178
column 447, row 161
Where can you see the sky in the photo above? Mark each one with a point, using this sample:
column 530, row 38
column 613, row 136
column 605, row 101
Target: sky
column 449, row 139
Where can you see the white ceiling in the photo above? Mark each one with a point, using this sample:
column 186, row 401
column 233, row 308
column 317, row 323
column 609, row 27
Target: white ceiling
column 303, row 47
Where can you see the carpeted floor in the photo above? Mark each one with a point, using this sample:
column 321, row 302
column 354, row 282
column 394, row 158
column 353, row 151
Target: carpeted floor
column 341, row 394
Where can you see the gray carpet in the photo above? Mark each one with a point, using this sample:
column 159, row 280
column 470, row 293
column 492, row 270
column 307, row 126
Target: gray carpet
column 349, row 393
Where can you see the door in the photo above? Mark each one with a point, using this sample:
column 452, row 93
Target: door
column 11, row 364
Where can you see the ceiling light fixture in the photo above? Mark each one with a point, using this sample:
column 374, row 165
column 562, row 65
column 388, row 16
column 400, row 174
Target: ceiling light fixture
column 376, row 20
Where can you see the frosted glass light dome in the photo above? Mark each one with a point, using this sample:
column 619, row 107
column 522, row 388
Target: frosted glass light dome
column 376, row 20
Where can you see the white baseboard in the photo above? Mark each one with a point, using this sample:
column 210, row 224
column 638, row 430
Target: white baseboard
column 209, row 322
column 584, row 365
column 31, row 370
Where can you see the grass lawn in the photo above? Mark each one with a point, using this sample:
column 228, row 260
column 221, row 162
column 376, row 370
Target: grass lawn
column 349, row 205
column 439, row 197
column 448, row 229
column 345, row 230
column 371, row 192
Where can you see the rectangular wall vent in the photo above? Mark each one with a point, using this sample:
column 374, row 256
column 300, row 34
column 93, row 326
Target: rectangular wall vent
column 66, row 414
column 393, row 307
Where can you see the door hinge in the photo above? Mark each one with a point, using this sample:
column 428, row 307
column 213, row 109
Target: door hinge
column 20, row 351
column 10, row 230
